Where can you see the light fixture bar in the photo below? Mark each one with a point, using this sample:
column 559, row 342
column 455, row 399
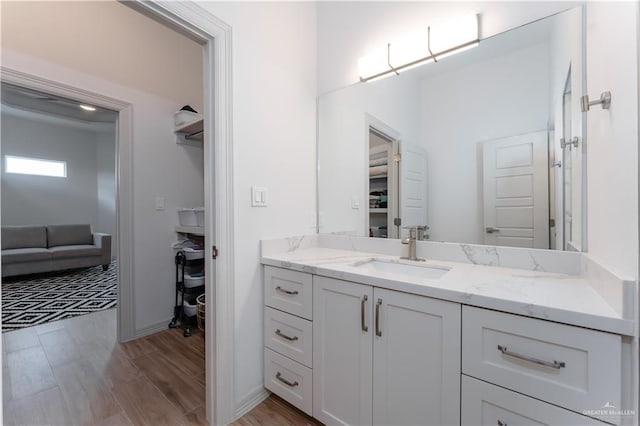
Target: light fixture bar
column 429, row 44
column 432, row 57
column 442, row 40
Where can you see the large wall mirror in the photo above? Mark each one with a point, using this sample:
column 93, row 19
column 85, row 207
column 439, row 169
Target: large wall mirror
column 483, row 147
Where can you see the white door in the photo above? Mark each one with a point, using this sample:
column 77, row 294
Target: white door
column 416, row 360
column 342, row 352
column 516, row 191
column 413, row 164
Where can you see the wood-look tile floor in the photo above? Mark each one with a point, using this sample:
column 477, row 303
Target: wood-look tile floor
column 74, row 372
column 275, row 412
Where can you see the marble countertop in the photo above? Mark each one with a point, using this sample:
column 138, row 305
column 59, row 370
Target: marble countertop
column 549, row 296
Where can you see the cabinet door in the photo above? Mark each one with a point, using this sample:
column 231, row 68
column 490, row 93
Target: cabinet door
column 416, row 353
column 342, row 352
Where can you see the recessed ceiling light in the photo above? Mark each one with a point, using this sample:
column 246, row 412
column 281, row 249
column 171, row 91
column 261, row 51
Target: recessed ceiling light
column 87, row 108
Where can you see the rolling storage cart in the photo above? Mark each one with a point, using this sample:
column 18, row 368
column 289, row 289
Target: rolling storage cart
column 189, row 285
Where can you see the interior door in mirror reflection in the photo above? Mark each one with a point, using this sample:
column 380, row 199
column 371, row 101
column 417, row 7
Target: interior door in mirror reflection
column 516, row 191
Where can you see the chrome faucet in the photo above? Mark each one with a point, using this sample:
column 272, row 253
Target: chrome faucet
column 415, row 233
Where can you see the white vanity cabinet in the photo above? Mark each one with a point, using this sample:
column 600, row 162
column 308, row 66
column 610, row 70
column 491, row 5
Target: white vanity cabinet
column 288, row 336
column 484, row 404
column 571, row 367
column 352, row 353
column 384, row 357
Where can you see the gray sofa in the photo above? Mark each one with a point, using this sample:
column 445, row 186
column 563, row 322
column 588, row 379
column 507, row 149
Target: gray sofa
column 32, row 249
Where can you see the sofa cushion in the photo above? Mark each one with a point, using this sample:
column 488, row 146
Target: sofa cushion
column 69, row 235
column 27, row 236
column 25, row 255
column 75, row 251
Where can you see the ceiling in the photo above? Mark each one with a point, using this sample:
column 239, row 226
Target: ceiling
column 20, row 101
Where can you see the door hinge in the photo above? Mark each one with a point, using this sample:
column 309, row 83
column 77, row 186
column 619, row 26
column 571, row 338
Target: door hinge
column 214, row 252
column 573, row 142
column 397, row 158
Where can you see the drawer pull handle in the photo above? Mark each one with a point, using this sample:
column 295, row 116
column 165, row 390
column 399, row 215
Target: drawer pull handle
column 363, row 302
column 285, row 381
column 501, row 423
column 284, row 336
column 281, row 290
column 555, row 364
column 378, row 331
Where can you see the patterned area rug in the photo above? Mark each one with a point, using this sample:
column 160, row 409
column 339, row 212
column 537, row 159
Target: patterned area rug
column 36, row 299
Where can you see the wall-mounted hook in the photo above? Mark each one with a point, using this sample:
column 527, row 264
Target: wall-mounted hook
column 605, row 101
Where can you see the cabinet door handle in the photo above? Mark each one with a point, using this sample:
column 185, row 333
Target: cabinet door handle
column 285, row 381
column 501, row 423
column 378, row 331
column 363, row 303
column 284, row 336
column 555, row 364
column 291, row 292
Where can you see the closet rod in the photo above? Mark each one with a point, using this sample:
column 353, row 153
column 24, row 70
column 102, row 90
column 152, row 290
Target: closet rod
column 194, row 134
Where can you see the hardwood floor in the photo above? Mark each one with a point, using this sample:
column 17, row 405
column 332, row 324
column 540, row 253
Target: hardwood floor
column 74, row 372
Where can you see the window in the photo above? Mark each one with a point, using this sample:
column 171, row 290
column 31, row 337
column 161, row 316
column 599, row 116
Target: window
column 34, row 166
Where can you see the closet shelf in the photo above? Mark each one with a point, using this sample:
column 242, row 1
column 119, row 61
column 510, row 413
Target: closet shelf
column 193, row 230
column 190, row 132
column 379, row 211
column 378, row 177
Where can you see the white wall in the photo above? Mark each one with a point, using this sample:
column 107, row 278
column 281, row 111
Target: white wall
column 350, row 30
column 274, row 96
column 29, row 200
column 612, row 135
column 461, row 109
column 108, row 39
column 106, row 182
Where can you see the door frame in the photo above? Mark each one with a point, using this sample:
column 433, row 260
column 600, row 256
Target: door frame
column 124, row 181
column 215, row 35
column 388, row 132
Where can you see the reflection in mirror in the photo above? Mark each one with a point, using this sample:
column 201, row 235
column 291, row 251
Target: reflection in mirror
column 490, row 145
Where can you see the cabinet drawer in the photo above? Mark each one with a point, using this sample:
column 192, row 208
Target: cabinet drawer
column 288, row 335
column 289, row 380
column 484, row 404
column 288, row 291
column 569, row 366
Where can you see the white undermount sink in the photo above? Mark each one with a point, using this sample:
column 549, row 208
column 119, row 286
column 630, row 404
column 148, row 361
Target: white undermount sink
column 413, row 268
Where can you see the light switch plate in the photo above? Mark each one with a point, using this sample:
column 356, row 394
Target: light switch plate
column 355, row 203
column 160, row 203
column 258, row 196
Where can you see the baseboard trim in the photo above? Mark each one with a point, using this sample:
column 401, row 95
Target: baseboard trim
column 153, row 328
column 251, row 402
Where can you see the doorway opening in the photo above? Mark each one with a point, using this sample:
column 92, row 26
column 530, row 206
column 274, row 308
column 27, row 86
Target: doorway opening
column 60, row 245
column 215, row 37
column 383, row 181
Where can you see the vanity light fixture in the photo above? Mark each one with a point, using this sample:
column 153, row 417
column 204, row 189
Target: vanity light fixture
column 423, row 47
column 87, row 107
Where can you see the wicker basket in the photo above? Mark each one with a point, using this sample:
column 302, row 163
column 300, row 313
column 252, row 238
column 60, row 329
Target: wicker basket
column 200, row 311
